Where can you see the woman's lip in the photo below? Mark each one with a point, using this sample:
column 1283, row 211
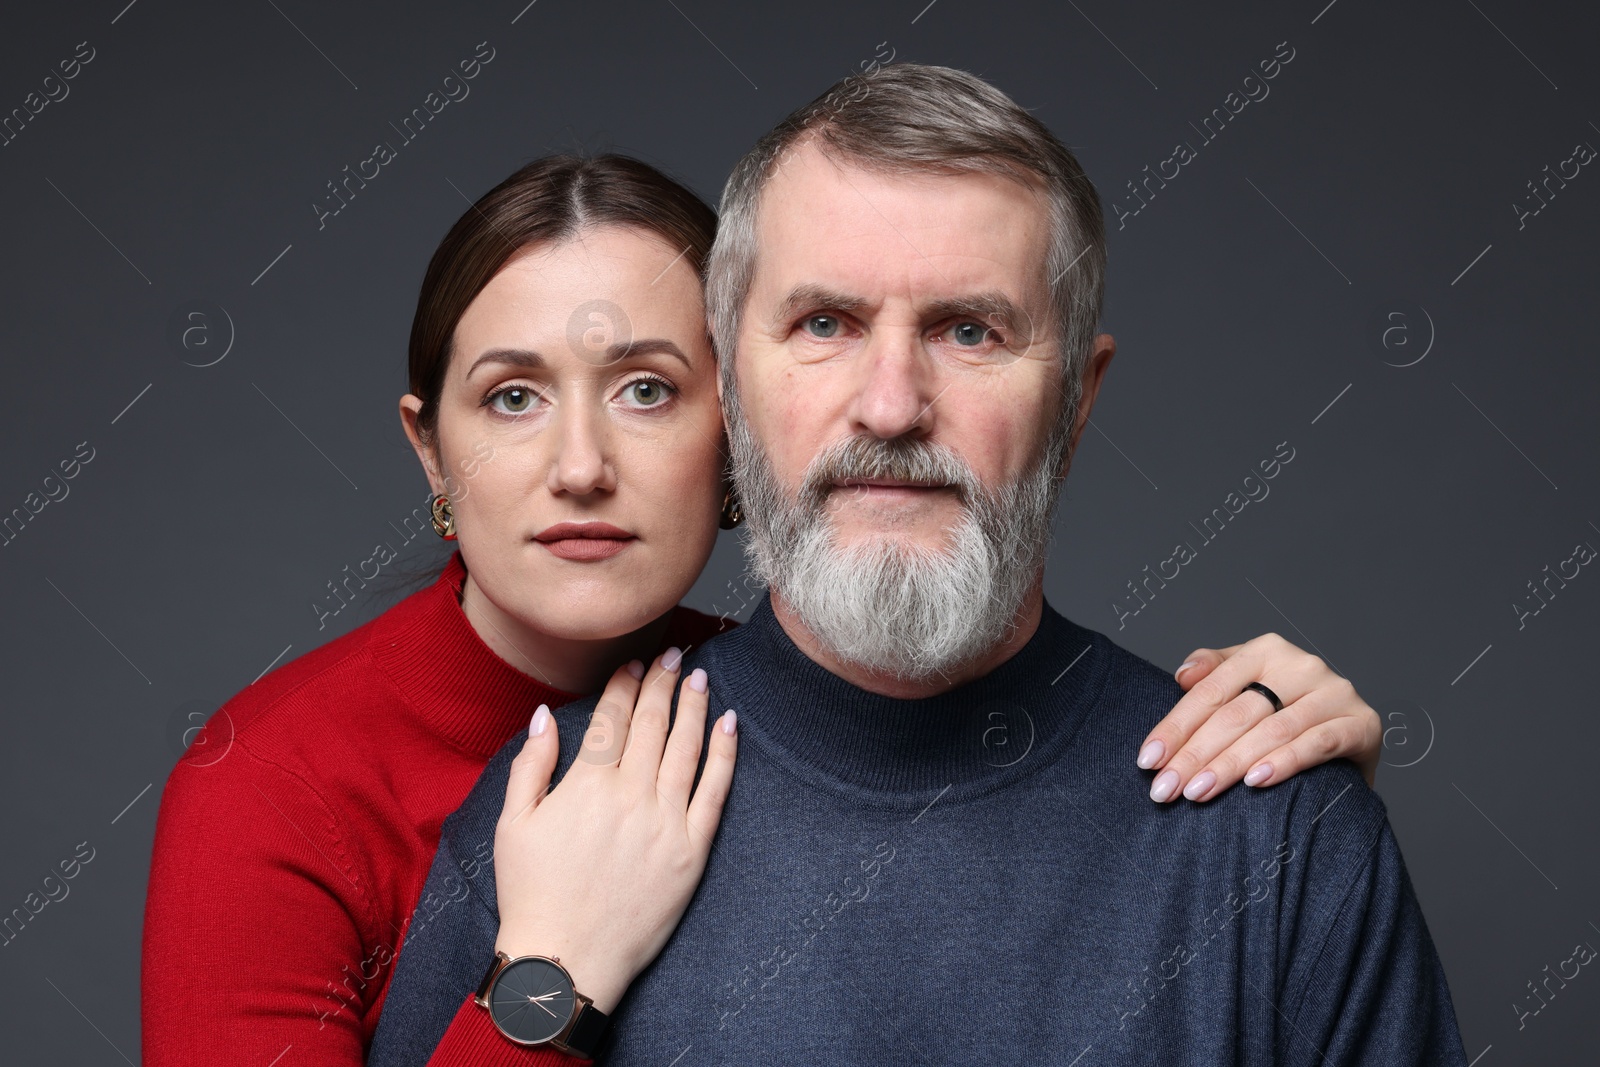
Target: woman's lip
column 587, row 549
column 563, row 531
column 584, row 541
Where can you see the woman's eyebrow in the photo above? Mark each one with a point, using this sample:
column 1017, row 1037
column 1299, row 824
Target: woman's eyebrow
column 516, row 357
column 645, row 347
column 528, row 358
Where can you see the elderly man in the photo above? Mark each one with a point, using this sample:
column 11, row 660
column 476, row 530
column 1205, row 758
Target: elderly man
column 928, row 853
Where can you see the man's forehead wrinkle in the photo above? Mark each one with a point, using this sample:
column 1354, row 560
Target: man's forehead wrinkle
column 845, row 177
column 932, row 273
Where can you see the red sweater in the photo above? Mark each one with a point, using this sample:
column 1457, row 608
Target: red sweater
column 296, row 833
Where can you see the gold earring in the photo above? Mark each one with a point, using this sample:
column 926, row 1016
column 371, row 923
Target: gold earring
column 444, row 520
column 732, row 510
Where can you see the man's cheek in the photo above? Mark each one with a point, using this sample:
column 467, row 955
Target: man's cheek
column 800, row 410
column 996, row 444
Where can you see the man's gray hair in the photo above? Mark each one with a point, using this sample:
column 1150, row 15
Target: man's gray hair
column 906, row 118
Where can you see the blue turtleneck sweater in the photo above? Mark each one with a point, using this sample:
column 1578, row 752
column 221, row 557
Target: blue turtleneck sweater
column 981, row 877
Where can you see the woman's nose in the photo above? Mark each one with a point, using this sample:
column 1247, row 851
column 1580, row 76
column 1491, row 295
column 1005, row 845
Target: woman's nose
column 582, row 463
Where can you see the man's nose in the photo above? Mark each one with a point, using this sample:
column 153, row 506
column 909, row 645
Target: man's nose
column 582, row 463
column 896, row 390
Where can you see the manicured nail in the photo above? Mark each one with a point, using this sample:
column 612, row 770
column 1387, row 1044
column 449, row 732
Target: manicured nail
column 697, row 680
column 1150, row 754
column 1200, row 785
column 1186, row 666
column 1164, row 786
column 541, row 721
column 670, row 659
column 1258, row 774
column 636, row 669
column 730, row 722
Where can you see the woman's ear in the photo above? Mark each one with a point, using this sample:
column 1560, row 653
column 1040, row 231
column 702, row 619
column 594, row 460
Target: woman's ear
column 410, row 408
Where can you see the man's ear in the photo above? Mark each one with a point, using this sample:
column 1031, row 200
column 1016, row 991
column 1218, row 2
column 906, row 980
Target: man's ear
column 1101, row 350
column 410, row 406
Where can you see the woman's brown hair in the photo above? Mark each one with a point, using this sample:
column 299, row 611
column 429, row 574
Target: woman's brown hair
column 548, row 200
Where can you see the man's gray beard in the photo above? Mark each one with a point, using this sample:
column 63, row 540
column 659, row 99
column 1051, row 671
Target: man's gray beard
column 894, row 608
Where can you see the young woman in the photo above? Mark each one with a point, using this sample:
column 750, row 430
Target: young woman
column 563, row 405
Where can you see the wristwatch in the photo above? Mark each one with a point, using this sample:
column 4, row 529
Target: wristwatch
column 532, row 1002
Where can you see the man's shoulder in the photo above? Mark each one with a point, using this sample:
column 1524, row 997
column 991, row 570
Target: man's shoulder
column 1312, row 835
column 1325, row 807
column 1130, row 694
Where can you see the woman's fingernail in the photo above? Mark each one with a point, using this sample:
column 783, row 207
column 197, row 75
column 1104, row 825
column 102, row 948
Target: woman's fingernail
column 1258, row 774
column 541, row 721
column 636, row 669
column 697, row 680
column 1186, row 666
column 1150, row 754
column 730, row 722
column 1163, row 787
column 670, row 659
column 1200, row 785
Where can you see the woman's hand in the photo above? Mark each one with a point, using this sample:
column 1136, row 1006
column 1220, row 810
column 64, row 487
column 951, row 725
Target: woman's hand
column 599, row 870
column 1217, row 734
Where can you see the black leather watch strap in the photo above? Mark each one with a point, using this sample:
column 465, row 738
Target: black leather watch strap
column 587, row 1031
column 482, row 995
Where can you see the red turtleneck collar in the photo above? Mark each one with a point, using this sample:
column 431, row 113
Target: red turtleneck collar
column 462, row 687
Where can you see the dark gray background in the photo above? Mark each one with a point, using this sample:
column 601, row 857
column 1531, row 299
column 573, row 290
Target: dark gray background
column 1378, row 176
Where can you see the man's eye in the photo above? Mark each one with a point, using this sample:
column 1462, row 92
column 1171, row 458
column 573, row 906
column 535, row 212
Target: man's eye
column 645, row 392
column 970, row 333
column 822, row 326
column 515, row 400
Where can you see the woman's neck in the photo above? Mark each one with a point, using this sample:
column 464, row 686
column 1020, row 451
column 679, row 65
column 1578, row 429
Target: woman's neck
column 573, row 666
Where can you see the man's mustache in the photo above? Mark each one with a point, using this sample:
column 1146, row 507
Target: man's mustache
column 901, row 459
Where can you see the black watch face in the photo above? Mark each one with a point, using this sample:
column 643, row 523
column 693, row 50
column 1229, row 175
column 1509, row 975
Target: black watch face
column 532, row 1000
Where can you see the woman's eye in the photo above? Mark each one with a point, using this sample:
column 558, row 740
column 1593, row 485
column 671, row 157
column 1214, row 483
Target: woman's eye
column 515, row 400
column 646, row 392
column 970, row 334
column 822, row 326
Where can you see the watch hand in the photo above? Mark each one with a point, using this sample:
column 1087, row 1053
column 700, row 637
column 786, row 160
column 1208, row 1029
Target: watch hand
column 540, row 1001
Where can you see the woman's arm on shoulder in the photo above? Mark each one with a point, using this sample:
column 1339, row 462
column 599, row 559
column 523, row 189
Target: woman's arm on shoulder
column 1220, row 733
